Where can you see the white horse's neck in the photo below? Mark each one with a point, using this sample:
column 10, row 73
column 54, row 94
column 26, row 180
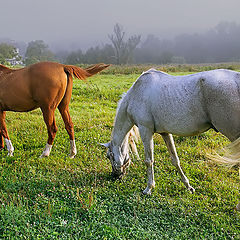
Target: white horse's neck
column 122, row 126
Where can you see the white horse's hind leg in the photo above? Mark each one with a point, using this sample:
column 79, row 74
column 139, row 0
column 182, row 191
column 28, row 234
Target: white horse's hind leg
column 10, row 147
column 147, row 138
column 168, row 138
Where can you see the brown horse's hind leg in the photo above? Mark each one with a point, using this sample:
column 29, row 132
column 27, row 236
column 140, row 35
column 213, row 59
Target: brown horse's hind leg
column 4, row 134
column 1, row 140
column 64, row 110
column 49, row 119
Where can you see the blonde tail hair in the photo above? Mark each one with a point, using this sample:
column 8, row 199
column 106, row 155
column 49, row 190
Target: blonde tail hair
column 230, row 155
column 230, row 158
column 134, row 137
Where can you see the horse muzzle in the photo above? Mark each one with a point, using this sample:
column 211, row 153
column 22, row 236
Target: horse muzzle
column 117, row 174
column 120, row 171
column 117, row 171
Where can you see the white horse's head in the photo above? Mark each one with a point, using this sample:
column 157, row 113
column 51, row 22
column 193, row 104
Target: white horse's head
column 119, row 158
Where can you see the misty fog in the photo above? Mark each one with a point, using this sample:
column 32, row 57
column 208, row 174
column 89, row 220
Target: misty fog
column 171, row 31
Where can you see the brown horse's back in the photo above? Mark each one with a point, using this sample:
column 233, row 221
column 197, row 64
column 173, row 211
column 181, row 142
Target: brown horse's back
column 39, row 85
column 47, row 82
column 28, row 88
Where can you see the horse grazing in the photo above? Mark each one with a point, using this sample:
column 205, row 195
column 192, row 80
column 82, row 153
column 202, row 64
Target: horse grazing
column 44, row 85
column 180, row 105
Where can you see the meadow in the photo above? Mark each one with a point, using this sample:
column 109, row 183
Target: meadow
column 62, row 198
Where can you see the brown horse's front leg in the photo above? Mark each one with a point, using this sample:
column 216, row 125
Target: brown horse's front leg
column 4, row 134
column 1, row 141
column 49, row 119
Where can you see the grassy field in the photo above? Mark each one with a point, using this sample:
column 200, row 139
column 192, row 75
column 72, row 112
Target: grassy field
column 62, row 198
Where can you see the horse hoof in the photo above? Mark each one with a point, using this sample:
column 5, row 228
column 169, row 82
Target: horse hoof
column 71, row 156
column 191, row 189
column 73, row 153
column 147, row 191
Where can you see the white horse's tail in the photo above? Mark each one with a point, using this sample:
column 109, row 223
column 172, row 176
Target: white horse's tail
column 230, row 158
column 134, row 137
column 230, row 155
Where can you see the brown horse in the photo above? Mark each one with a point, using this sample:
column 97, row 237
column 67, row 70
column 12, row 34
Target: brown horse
column 44, row 85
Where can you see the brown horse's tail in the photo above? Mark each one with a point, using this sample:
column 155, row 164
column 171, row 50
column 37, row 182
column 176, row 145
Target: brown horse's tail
column 74, row 71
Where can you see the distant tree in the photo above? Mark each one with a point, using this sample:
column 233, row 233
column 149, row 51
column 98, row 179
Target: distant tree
column 75, row 57
column 8, row 52
column 178, row 60
column 155, row 50
column 123, row 49
column 166, row 57
column 97, row 54
column 132, row 43
column 107, row 54
column 93, row 55
column 38, row 51
column 61, row 56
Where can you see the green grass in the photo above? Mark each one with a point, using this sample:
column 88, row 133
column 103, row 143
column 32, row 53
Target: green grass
column 62, row 198
column 170, row 68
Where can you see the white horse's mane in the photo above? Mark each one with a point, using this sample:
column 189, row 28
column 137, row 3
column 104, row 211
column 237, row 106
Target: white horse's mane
column 133, row 135
column 120, row 102
column 153, row 70
column 118, row 107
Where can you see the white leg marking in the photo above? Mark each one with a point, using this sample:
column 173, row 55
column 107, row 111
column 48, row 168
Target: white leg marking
column 10, row 147
column 73, row 149
column 46, row 151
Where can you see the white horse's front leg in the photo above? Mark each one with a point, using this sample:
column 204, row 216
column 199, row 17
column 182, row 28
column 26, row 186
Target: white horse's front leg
column 10, row 147
column 73, row 149
column 147, row 138
column 168, row 138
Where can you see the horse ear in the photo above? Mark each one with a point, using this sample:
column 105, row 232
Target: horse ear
column 107, row 145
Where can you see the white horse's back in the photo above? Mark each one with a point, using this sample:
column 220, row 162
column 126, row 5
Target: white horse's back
column 185, row 105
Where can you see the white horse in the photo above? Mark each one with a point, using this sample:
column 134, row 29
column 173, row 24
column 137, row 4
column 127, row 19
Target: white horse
column 180, row 105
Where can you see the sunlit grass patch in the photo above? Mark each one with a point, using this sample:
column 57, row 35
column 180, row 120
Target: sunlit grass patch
column 62, row 198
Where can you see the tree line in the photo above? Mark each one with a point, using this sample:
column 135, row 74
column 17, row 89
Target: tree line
column 219, row 44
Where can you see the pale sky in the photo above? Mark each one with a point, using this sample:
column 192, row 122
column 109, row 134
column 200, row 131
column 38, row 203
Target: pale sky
column 89, row 22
